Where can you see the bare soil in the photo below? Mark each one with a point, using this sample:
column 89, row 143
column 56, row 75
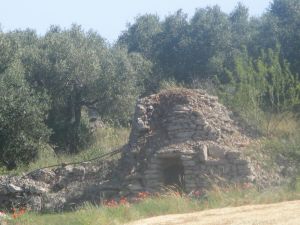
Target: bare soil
column 284, row 213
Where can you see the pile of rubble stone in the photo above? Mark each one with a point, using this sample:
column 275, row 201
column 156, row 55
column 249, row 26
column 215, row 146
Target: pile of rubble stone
column 58, row 189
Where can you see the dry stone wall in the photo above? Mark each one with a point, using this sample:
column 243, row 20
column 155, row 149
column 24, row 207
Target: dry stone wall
column 193, row 131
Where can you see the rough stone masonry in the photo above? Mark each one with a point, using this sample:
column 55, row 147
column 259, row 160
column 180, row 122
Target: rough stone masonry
column 184, row 138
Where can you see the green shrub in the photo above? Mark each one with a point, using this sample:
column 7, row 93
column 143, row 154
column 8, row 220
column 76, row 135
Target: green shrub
column 258, row 88
column 22, row 113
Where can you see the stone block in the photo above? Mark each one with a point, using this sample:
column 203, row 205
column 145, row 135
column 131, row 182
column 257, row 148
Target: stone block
column 214, row 163
column 13, row 188
column 240, row 162
column 188, row 163
column 216, row 151
column 141, row 125
column 154, row 167
column 243, row 167
column 225, row 168
column 35, row 203
column 184, row 134
column 233, row 168
column 186, row 157
column 152, row 176
column 203, row 167
column 3, row 189
column 151, row 171
column 197, row 114
column 243, row 172
column 190, row 170
column 168, row 154
column 133, row 177
column 174, row 127
column 189, row 178
column 44, row 175
column 135, row 187
column 34, row 189
column 140, row 110
column 181, row 108
column 232, row 155
column 151, row 190
column 78, row 171
column 154, row 184
column 203, row 153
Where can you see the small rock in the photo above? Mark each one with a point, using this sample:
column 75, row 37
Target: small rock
column 13, row 188
column 34, row 189
column 44, row 175
column 140, row 109
column 216, row 151
column 203, row 153
column 141, row 126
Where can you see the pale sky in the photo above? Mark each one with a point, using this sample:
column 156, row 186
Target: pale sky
column 107, row 17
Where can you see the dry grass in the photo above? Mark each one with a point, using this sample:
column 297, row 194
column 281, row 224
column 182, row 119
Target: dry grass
column 106, row 139
column 168, row 203
column 281, row 125
column 272, row 214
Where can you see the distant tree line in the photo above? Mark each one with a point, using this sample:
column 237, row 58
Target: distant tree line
column 252, row 62
column 47, row 82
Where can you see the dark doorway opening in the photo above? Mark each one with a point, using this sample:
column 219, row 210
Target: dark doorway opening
column 173, row 172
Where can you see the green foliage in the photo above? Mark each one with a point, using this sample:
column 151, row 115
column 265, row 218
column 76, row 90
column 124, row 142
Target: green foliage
column 22, row 113
column 286, row 14
column 240, row 26
column 104, row 139
column 140, row 36
column 282, row 88
column 125, row 75
column 8, row 50
column 78, row 69
column 211, row 40
column 188, row 50
column 284, row 139
column 288, row 147
column 257, row 87
column 201, row 48
column 169, row 85
column 172, row 47
column 242, row 93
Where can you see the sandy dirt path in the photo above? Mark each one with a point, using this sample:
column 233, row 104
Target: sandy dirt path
column 284, row 213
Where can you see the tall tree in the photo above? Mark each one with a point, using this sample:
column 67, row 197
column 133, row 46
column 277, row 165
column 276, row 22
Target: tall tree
column 286, row 14
column 240, row 26
column 211, row 39
column 171, row 47
column 79, row 70
column 140, row 36
column 7, row 51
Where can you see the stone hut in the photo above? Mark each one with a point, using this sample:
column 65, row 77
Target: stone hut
column 183, row 138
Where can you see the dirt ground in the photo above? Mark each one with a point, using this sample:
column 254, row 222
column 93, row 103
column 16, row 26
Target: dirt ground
column 284, row 213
